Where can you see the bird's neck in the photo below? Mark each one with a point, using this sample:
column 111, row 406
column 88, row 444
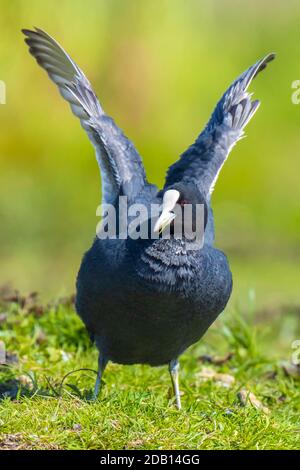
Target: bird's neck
column 168, row 263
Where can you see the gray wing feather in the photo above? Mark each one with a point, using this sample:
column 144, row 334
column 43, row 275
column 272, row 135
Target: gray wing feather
column 121, row 166
column 203, row 161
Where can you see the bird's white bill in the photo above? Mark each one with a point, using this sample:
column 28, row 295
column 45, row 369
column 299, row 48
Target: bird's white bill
column 169, row 202
column 164, row 220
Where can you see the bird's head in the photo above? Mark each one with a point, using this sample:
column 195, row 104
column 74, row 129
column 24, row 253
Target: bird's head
column 183, row 209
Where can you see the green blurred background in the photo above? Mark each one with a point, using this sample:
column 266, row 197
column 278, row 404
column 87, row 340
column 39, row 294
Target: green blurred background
column 158, row 67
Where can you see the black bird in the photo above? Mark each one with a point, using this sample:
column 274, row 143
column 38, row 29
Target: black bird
column 147, row 300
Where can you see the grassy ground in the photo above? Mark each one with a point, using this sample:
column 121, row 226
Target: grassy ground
column 135, row 410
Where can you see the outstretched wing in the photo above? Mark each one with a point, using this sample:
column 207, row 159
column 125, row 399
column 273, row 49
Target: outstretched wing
column 203, row 160
column 121, row 166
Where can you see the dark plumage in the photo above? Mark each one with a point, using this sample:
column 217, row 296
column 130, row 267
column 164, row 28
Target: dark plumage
column 146, row 301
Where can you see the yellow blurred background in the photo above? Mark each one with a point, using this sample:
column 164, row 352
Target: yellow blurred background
column 158, row 67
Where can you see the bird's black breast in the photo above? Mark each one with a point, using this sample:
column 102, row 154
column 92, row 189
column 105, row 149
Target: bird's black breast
column 153, row 303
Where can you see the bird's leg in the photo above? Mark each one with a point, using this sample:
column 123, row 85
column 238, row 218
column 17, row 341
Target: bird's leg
column 174, row 372
column 102, row 362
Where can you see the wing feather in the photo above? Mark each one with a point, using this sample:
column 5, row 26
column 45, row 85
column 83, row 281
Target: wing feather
column 203, row 160
column 121, row 166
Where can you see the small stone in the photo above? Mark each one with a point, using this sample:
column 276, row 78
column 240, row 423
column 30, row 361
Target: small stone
column 41, row 337
column 247, row 398
column 25, row 381
column 3, row 318
column 224, row 380
column 217, row 360
column 77, row 427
